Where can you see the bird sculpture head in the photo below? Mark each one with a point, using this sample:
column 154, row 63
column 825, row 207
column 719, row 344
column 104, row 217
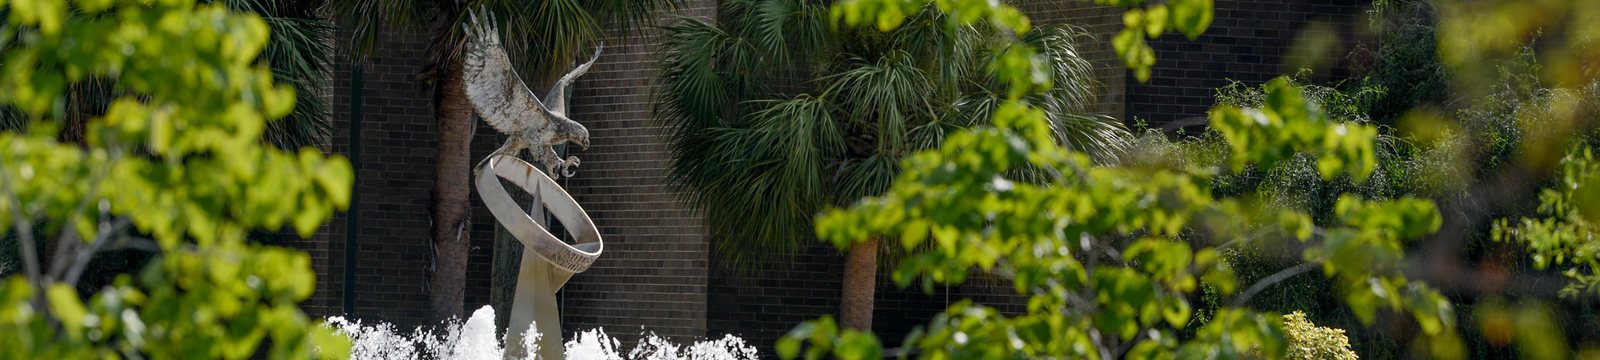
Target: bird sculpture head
column 569, row 131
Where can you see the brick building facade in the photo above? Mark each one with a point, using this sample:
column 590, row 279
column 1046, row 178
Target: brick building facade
column 657, row 273
column 1250, row 42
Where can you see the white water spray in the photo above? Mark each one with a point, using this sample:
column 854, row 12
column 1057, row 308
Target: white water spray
column 477, row 339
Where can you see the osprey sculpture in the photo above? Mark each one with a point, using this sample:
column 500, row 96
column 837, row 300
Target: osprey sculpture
column 503, row 101
column 548, row 261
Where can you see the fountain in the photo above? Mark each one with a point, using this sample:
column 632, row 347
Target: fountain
column 475, row 339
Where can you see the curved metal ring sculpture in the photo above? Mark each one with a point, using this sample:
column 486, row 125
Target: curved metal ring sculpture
column 572, row 258
column 534, row 304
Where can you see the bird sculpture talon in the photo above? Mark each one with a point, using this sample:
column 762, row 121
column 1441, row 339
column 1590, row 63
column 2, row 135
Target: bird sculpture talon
column 555, row 168
column 566, row 169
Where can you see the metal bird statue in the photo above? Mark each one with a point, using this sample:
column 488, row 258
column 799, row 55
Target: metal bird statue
column 503, row 101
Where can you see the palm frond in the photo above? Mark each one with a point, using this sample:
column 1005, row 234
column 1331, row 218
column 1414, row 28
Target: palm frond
column 868, row 177
column 298, row 52
column 885, row 92
column 1071, row 75
column 707, row 74
column 1104, row 138
column 12, row 119
column 1066, row 104
column 762, row 184
column 362, row 21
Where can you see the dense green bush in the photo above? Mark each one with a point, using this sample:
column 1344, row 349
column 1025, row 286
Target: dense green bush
column 1404, row 63
column 1296, row 184
column 1307, row 341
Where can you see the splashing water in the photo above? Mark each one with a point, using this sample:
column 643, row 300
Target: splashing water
column 476, row 339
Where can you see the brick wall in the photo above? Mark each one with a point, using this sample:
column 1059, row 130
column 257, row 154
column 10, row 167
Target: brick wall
column 653, row 271
column 324, row 300
column 394, row 178
column 1248, row 41
column 763, row 303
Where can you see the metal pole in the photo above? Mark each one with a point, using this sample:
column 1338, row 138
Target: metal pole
column 352, row 228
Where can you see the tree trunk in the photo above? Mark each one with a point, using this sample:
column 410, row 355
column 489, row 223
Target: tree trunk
column 860, row 285
column 452, row 174
column 507, row 263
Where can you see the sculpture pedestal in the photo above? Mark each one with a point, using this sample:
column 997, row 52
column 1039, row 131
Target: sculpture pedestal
column 535, row 304
column 547, row 261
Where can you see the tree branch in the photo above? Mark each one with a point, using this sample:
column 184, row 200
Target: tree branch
column 1247, row 238
column 135, row 243
column 67, row 244
column 30, row 255
column 1100, row 341
column 1122, row 350
column 1272, row 279
column 81, row 262
column 70, row 238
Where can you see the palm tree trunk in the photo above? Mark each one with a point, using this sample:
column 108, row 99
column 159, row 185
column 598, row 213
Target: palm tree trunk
column 507, row 262
column 860, row 285
column 451, row 226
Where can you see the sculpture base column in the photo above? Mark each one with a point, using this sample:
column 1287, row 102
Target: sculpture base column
column 536, row 300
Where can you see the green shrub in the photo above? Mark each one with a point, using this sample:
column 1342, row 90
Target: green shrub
column 1405, row 60
column 1307, row 341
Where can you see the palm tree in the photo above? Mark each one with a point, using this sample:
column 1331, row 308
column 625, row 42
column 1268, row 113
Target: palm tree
column 542, row 36
column 774, row 114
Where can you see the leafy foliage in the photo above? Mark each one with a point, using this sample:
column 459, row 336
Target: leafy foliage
column 1141, row 21
column 1295, row 183
column 1109, row 256
column 178, row 160
column 775, row 114
column 1103, row 252
column 298, row 51
column 1405, row 65
column 1565, row 236
column 1307, row 341
column 1496, row 129
column 1264, row 135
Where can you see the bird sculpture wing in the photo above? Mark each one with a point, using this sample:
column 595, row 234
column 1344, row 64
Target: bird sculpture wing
column 562, row 91
column 492, row 86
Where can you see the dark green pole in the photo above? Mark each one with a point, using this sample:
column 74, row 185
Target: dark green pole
column 352, row 228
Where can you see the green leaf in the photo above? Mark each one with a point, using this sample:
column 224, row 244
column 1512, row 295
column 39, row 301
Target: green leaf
column 1296, row 223
column 1176, row 312
column 788, row 348
column 1154, row 21
column 64, row 303
column 1191, row 17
